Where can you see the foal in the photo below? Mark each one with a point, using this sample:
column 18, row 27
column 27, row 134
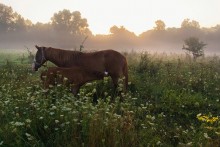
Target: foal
column 74, row 77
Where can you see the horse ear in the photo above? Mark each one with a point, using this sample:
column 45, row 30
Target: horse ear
column 37, row 47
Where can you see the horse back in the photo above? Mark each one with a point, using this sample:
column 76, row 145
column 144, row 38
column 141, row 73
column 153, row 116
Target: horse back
column 105, row 60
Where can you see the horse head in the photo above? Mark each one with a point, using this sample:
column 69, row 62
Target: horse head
column 39, row 58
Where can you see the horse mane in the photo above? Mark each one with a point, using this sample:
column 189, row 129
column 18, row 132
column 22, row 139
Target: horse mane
column 65, row 56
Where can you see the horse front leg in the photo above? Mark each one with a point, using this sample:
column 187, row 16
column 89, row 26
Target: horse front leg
column 75, row 89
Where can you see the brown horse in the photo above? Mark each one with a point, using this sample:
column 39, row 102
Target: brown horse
column 110, row 61
column 75, row 77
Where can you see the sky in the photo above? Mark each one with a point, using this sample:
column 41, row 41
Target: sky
column 135, row 15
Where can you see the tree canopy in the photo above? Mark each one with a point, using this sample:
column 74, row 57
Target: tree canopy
column 160, row 25
column 193, row 45
column 11, row 21
column 71, row 22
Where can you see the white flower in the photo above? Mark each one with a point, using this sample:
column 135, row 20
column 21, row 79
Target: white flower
column 88, row 84
column 158, row 143
column 65, row 79
column 94, row 91
column 206, row 136
column 28, row 120
column 52, row 113
column 18, row 123
column 57, row 121
column 54, row 108
column 28, row 135
column 45, row 127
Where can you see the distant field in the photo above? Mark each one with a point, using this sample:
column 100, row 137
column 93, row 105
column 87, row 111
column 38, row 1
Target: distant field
column 14, row 56
column 171, row 101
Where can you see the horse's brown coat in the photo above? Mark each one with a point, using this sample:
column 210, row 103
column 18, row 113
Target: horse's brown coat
column 102, row 61
column 76, row 77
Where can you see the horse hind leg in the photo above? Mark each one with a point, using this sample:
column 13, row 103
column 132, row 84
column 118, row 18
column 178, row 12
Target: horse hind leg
column 119, row 86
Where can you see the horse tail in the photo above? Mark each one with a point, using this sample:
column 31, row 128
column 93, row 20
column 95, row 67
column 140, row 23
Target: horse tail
column 125, row 73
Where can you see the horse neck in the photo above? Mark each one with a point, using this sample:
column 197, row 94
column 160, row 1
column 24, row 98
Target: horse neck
column 53, row 56
column 62, row 59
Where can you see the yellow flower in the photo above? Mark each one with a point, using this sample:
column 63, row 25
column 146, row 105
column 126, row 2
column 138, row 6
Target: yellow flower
column 208, row 119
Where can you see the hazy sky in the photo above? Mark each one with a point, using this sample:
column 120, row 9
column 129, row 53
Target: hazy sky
column 136, row 15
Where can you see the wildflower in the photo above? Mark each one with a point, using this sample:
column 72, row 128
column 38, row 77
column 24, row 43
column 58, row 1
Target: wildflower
column 51, row 86
column 106, row 93
column 206, row 136
column 94, row 91
column 62, row 125
column 158, row 143
column 120, row 85
column 54, row 108
column 28, row 121
column 41, row 118
column 52, row 113
column 18, row 123
column 153, row 118
column 27, row 134
column 17, row 115
column 57, row 121
column 45, row 127
column 75, row 120
column 218, row 133
column 88, row 84
column 65, row 79
column 189, row 143
column 105, row 80
column 1, row 143
column 207, row 119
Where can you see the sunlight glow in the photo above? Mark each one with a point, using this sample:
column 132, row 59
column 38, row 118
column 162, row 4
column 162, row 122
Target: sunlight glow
column 135, row 15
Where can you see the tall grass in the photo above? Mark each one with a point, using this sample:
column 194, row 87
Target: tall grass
column 170, row 102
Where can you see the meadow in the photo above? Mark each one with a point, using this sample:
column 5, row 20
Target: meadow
column 171, row 101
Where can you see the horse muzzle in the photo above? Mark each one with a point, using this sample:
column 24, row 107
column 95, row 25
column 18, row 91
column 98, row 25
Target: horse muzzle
column 34, row 68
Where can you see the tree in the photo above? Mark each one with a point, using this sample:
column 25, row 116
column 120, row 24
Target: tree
column 121, row 31
column 190, row 24
column 70, row 22
column 11, row 21
column 20, row 24
column 193, row 45
column 160, row 25
column 6, row 18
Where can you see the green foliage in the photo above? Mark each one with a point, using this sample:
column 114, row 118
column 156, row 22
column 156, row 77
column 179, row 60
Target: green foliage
column 194, row 46
column 72, row 22
column 170, row 102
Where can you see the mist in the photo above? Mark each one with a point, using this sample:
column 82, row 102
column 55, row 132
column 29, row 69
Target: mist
column 68, row 30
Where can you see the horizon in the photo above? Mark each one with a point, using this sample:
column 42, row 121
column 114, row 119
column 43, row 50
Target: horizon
column 136, row 16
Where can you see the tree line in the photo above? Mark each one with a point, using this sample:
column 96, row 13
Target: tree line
column 68, row 29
